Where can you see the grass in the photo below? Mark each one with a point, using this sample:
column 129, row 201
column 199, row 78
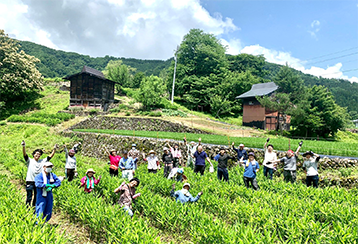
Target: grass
column 321, row 147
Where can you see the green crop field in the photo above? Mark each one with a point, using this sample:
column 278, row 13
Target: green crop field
column 226, row 213
column 322, row 147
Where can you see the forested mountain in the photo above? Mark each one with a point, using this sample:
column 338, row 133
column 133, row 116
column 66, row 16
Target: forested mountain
column 57, row 63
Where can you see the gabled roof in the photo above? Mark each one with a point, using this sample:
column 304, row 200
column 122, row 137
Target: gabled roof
column 90, row 71
column 261, row 89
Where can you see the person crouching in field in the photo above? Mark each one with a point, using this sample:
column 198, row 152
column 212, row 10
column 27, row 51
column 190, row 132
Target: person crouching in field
column 71, row 163
column 89, row 181
column 45, row 182
column 153, row 162
column 222, row 159
column 251, row 168
column 128, row 194
column 310, row 165
column 184, row 195
column 270, row 157
column 34, row 167
column 290, row 164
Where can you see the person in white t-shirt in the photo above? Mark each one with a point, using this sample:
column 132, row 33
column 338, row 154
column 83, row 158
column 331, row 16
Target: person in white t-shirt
column 34, row 167
column 152, row 160
column 270, row 158
column 310, row 165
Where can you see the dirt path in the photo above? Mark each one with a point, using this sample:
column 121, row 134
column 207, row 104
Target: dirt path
column 74, row 231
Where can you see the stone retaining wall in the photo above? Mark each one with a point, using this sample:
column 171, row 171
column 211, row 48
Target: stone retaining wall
column 147, row 124
column 93, row 144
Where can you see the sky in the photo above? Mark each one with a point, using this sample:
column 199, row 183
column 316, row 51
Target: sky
column 318, row 37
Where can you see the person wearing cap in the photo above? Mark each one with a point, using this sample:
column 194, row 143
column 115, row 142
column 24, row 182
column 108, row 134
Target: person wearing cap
column 200, row 157
column 241, row 152
column 310, row 165
column 89, row 181
column 126, row 164
column 152, row 160
column 270, row 158
column 45, row 182
column 177, row 174
column 290, row 164
column 128, row 194
column 251, row 169
column 191, row 149
column 176, row 154
column 71, row 163
column 167, row 159
column 34, row 167
column 113, row 162
column 184, row 195
column 222, row 159
column 134, row 153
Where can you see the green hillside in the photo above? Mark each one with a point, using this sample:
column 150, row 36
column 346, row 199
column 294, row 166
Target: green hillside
column 57, row 63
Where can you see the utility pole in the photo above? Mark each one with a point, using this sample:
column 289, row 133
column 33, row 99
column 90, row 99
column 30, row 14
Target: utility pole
column 175, row 68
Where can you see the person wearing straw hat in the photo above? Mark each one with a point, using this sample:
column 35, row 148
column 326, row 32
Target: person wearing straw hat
column 222, row 159
column 251, row 169
column 45, row 182
column 241, row 152
column 113, row 162
column 183, row 195
column 290, row 164
column 89, row 181
column 270, row 158
column 310, row 165
column 128, row 194
column 34, row 167
column 71, row 163
column 153, row 161
column 126, row 164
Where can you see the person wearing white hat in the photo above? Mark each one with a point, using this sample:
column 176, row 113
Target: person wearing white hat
column 134, row 153
column 45, row 182
column 184, row 195
column 89, row 180
column 34, row 167
column 152, row 160
column 241, row 152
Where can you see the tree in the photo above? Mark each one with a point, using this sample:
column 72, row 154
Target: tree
column 247, row 62
column 319, row 114
column 18, row 73
column 119, row 73
column 137, row 79
column 151, row 92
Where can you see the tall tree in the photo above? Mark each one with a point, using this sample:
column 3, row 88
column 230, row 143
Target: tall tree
column 18, row 73
column 151, row 92
column 119, row 73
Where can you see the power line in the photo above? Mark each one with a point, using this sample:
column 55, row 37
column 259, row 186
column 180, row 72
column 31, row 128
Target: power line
column 332, row 53
column 321, row 61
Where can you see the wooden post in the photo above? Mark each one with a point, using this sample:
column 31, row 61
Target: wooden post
column 289, row 144
column 228, row 139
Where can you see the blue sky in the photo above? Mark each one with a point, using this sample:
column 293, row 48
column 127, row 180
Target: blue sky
column 296, row 32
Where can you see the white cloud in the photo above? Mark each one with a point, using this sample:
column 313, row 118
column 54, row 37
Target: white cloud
column 233, row 46
column 147, row 29
column 315, row 27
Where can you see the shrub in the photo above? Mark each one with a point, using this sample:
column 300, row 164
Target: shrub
column 74, row 109
column 170, row 112
column 155, row 114
column 127, row 114
column 93, row 111
column 3, row 122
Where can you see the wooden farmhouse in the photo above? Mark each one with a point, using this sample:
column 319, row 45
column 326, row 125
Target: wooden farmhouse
column 90, row 89
column 254, row 115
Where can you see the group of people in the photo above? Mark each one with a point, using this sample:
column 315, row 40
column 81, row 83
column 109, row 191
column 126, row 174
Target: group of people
column 40, row 181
